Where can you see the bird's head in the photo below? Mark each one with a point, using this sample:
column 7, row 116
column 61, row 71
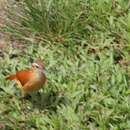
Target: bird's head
column 38, row 65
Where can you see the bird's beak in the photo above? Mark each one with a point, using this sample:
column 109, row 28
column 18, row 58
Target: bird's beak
column 34, row 64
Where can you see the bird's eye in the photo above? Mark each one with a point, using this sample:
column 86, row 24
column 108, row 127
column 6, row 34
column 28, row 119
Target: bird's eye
column 37, row 66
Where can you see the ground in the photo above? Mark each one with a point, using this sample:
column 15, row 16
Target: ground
column 85, row 48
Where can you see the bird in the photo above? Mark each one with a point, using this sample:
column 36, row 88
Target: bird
column 30, row 80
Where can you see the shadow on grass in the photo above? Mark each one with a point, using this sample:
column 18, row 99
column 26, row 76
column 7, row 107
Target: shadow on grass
column 49, row 100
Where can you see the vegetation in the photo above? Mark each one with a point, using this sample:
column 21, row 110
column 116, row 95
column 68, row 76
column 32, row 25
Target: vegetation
column 85, row 45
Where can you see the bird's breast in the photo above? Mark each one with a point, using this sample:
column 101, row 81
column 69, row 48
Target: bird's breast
column 39, row 78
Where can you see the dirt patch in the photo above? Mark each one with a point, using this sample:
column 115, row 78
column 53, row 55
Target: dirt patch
column 6, row 39
column 3, row 6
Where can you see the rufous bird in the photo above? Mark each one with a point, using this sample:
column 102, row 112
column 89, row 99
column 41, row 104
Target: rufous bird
column 30, row 80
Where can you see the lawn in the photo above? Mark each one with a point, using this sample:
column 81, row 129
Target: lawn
column 85, row 46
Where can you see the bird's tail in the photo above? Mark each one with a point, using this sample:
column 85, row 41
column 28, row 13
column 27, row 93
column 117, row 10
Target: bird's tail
column 11, row 77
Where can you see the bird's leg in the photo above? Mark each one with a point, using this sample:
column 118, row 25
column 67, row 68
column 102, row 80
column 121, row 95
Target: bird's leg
column 24, row 94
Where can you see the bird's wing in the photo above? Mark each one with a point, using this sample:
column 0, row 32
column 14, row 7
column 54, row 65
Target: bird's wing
column 24, row 76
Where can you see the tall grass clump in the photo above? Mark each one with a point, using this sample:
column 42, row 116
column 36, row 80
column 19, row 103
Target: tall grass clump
column 66, row 20
column 53, row 16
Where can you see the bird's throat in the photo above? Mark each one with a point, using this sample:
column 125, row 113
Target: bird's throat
column 40, row 73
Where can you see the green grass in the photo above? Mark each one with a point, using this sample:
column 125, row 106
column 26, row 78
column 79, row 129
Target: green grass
column 82, row 43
